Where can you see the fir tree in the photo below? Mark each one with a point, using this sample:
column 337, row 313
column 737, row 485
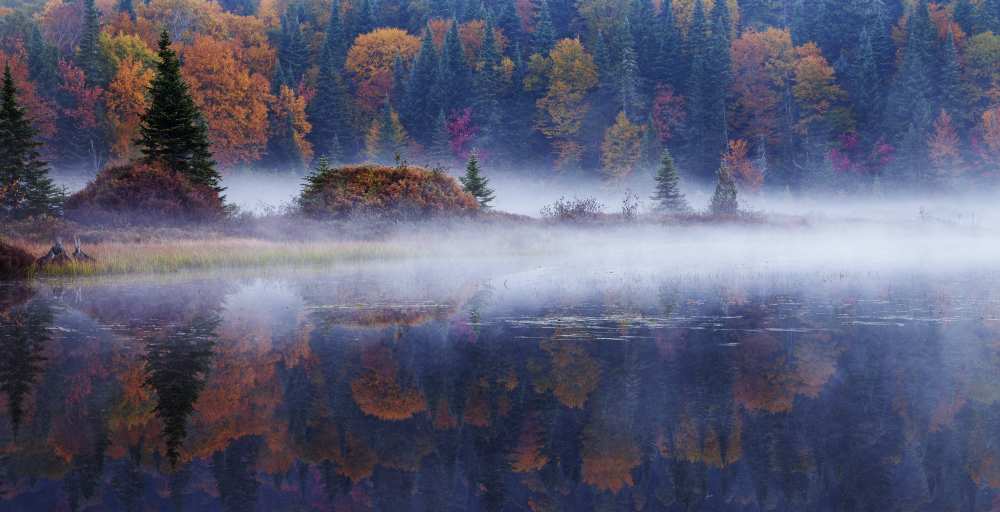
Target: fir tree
column 544, row 37
column 476, row 184
column 867, row 85
column 89, row 51
column 951, row 95
column 126, row 7
column 913, row 80
column 293, row 50
column 453, row 81
column 507, row 20
column 25, row 187
column 364, row 18
column 668, row 66
column 422, row 94
column 668, row 196
column 487, row 106
column 707, row 86
column 172, row 130
column 330, row 110
column 318, row 174
column 965, row 15
column 628, row 76
column 724, row 200
column 440, row 149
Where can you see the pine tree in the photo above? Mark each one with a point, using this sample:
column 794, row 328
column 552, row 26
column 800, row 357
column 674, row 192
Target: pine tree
column 89, row 51
column 952, row 98
column 668, row 196
column 642, row 23
column 440, row 150
column 965, row 15
column 318, row 174
column 25, row 187
column 507, row 21
column 293, row 50
column 330, row 110
column 544, row 37
column 422, row 98
column 724, row 200
column 867, row 85
column 628, row 75
column 669, row 64
column 487, row 85
column 913, row 80
column 364, row 18
column 476, row 184
column 172, row 130
column 453, row 82
column 707, row 87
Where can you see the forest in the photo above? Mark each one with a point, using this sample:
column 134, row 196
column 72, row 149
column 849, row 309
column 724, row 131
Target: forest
column 856, row 95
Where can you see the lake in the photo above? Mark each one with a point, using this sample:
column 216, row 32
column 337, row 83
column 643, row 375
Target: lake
column 502, row 385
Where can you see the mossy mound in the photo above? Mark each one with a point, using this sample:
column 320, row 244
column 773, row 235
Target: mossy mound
column 143, row 194
column 394, row 193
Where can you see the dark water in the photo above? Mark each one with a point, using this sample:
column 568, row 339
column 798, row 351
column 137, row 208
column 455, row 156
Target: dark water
column 443, row 388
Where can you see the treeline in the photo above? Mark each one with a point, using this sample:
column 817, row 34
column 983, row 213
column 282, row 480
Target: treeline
column 855, row 94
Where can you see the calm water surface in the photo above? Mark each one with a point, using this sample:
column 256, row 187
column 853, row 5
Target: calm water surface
column 445, row 387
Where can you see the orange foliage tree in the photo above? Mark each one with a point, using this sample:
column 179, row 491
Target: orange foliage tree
column 621, row 148
column 472, row 33
column 290, row 115
column 943, row 146
column 747, row 175
column 574, row 376
column 762, row 69
column 126, row 102
column 609, row 456
column 40, row 111
column 571, row 74
column 233, row 101
column 370, row 60
column 377, row 390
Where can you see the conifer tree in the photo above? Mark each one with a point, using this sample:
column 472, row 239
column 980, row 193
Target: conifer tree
column 89, row 51
column 707, row 87
column 318, row 174
column 25, row 187
column 544, row 37
column 439, row 150
column 127, row 7
column 476, row 184
column 952, row 98
column 668, row 66
column 453, row 82
column 487, row 85
column 329, row 111
column 628, row 75
column 668, row 196
column 867, row 85
column 965, row 15
column 913, row 80
column 293, row 50
column 172, row 130
column 421, row 100
column 724, row 200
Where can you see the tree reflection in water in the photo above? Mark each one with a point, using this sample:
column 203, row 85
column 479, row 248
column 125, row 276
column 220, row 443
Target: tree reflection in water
column 479, row 398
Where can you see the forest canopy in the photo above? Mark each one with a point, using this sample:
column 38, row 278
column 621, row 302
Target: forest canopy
column 853, row 94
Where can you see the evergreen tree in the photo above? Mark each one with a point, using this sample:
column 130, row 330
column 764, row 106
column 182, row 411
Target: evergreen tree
column 487, row 89
column 544, row 37
column 867, row 85
column 724, row 200
column 172, row 130
column 25, row 187
column 476, row 184
column 669, row 64
column 24, row 335
column 507, row 21
column 708, row 86
column 126, row 7
column 293, row 50
column 668, row 196
column 965, row 15
column 913, row 80
column 642, row 23
column 628, row 76
column 454, row 81
column 330, row 110
column 951, row 96
column 440, row 147
column 989, row 16
column 364, row 18
column 318, row 173
column 422, row 98
column 89, row 51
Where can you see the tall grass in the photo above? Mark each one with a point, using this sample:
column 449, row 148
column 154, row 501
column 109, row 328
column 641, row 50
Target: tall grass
column 175, row 256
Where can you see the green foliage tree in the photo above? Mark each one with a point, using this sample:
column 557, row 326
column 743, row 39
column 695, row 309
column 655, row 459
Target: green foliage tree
column 476, row 184
column 724, row 201
column 25, row 187
column 668, row 196
column 172, row 130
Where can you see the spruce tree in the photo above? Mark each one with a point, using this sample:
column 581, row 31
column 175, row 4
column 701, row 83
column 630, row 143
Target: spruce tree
column 913, row 80
column 476, row 184
column 172, row 131
column 454, row 78
column 329, row 111
column 25, row 187
column 293, row 50
column 487, row 89
column 668, row 67
column 867, row 85
column 544, row 37
column 668, row 196
column 89, row 51
column 965, row 15
column 724, row 200
column 951, row 94
column 628, row 75
column 422, row 100
column 440, row 150
column 707, row 86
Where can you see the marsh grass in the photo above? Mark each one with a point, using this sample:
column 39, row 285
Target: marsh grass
column 175, row 256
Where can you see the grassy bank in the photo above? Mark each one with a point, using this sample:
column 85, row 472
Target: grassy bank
column 181, row 255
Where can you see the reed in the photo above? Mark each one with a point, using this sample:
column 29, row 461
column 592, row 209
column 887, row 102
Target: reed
column 175, row 256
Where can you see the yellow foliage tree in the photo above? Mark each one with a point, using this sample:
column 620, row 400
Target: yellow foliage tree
column 571, row 73
column 621, row 148
column 233, row 101
column 126, row 103
column 370, row 60
column 290, row 114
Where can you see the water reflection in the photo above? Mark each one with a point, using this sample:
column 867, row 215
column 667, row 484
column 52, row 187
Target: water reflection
column 465, row 389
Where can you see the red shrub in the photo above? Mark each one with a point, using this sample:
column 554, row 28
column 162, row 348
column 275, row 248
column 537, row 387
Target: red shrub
column 141, row 193
column 384, row 192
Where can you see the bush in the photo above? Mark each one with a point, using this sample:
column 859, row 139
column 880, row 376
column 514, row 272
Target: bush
column 147, row 194
column 394, row 193
column 14, row 261
column 575, row 210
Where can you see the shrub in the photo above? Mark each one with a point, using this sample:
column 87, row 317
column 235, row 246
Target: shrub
column 394, row 193
column 14, row 261
column 141, row 193
column 575, row 210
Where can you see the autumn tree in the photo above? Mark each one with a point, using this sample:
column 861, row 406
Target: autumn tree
column 288, row 136
column 943, row 147
column 126, row 102
column 571, row 73
column 746, row 174
column 621, row 148
column 370, row 60
column 386, row 140
column 233, row 101
column 23, row 175
column 172, row 130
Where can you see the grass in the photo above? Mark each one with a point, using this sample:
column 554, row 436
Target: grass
column 175, row 256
